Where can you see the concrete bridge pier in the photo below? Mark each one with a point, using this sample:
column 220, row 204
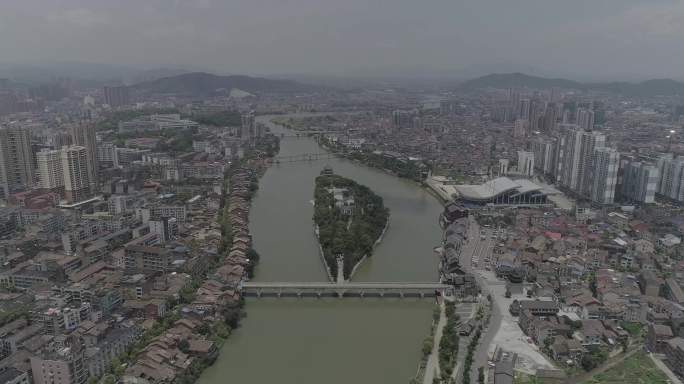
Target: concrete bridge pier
column 340, row 269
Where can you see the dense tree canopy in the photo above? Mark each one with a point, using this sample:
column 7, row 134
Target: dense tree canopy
column 351, row 236
column 220, row 119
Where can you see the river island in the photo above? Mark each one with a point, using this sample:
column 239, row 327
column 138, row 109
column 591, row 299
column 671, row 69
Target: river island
column 350, row 221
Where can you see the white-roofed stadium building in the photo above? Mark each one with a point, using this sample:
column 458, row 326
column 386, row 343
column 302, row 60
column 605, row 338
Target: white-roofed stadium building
column 502, row 191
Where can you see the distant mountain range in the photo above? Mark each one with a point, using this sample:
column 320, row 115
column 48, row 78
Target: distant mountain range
column 84, row 75
column 201, row 83
column 655, row 87
column 153, row 74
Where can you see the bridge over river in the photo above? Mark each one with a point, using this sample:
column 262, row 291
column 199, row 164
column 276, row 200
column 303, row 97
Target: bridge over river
column 304, row 157
column 302, row 134
column 303, row 341
column 349, row 289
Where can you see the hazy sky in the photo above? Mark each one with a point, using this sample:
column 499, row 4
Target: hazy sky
column 583, row 37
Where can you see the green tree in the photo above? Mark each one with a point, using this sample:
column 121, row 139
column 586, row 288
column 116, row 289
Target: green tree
column 593, row 359
column 436, row 312
column 232, row 316
column 624, row 343
column 117, row 368
column 449, row 309
column 221, row 330
column 548, row 341
column 428, row 343
column 184, row 346
column 253, row 257
column 115, row 364
column 220, row 119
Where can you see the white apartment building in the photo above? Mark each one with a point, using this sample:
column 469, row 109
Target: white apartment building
column 526, row 163
column 605, row 167
column 76, row 173
column 640, row 182
column 50, row 174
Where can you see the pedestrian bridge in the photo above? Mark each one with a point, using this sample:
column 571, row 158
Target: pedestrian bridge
column 351, row 289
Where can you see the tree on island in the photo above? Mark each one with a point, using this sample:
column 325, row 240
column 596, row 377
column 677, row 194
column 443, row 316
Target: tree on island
column 351, row 233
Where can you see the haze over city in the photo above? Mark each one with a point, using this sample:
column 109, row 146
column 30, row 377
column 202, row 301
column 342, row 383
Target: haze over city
column 342, row 192
column 583, row 39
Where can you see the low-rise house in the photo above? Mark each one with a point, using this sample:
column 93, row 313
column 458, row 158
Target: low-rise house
column 160, row 362
column 657, row 336
column 503, row 372
column 63, row 362
column 635, row 312
column 540, row 308
column 674, row 354
column 541, row 329
column 668, row 241
column 650, row 283
column 591, row 333
column 579, row 301
column 616, row 331
column 202, row 348
column 14, row 334
column 149, row 309
column 657, row 317
column 567, row 349
column 673, row 291
column 14, row 376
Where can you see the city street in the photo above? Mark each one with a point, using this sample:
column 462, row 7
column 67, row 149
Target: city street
column 502, row 330
column 477, row 249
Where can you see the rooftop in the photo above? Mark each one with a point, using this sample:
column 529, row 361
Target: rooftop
column 497, row 187
column 10, row 374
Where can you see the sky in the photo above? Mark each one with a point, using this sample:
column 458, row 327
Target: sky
column 578, row 38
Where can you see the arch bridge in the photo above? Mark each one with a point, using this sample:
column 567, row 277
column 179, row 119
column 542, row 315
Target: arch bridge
column 304, row 157
column 350, row 289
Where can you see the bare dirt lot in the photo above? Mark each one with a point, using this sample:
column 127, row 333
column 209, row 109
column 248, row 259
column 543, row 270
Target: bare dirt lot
column 509, row 336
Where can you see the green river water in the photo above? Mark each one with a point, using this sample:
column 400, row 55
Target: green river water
column 334, row 341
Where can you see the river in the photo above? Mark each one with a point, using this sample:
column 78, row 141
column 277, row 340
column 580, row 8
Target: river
column 333, row 341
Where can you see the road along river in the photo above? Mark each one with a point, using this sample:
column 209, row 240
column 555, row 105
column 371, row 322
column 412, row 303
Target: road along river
column 332, row 341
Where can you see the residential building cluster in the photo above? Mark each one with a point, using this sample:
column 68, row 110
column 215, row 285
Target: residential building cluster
column 122, row 251
column 120, row 235
column 586, row 287
column 587, row 145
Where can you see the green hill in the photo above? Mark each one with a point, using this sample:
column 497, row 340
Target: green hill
column 648, row 88
column 201, row 83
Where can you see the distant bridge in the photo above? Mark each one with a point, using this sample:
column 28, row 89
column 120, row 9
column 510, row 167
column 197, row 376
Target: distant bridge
column 300, row 134
column 351, row 289
column 304, row 157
